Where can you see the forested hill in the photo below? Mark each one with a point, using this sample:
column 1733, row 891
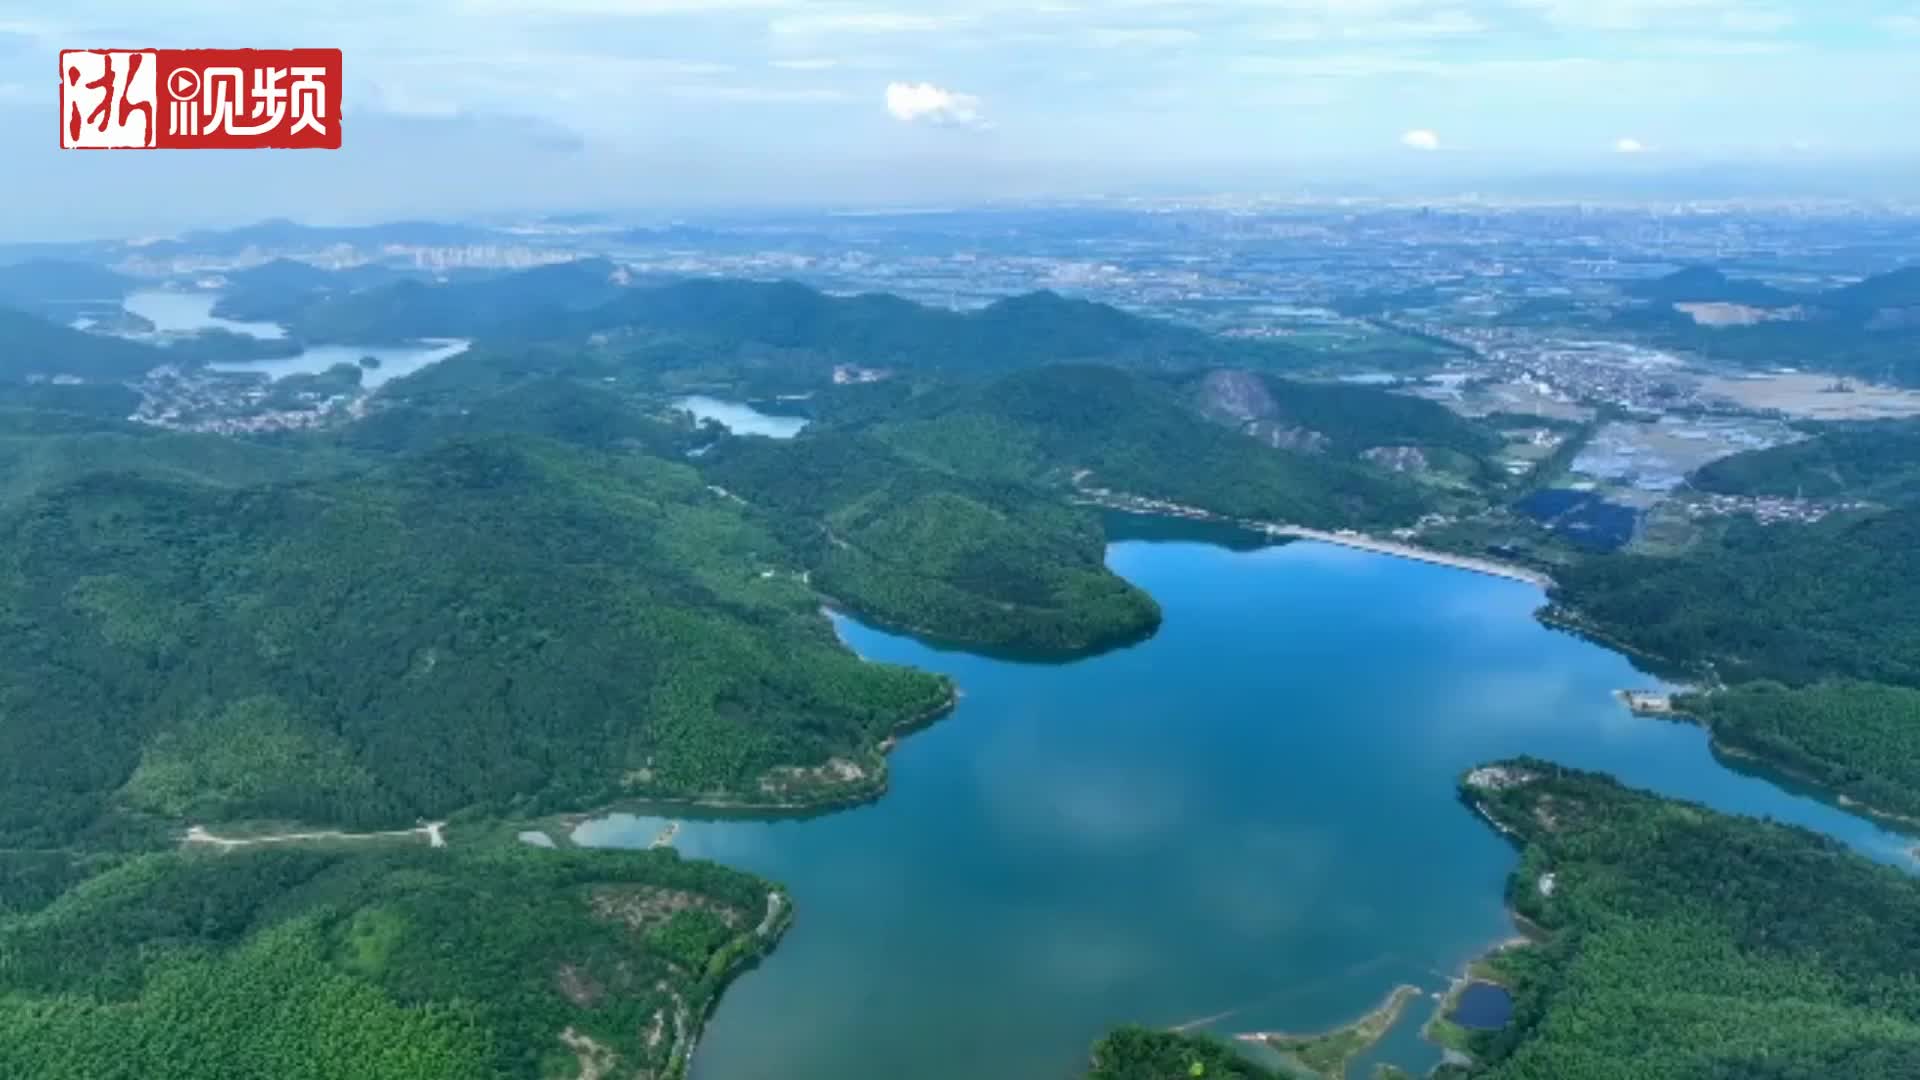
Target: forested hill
column 1878, row 460
column 1683, row 943
column 1707, row 285
column 375, row 960
column 1791, row 602
column 1349, row 422
column 1858, row 740
column 481, row 306
column 1129, row 433
column 1893, row 291
column 58, row 288
column 33, row 346
column 1676, row 943
column 882, row 330
column 934, row 551
column 579, row 299
column 280, row 290
column 497, row 623
column 42, row 449
column 1870, row 329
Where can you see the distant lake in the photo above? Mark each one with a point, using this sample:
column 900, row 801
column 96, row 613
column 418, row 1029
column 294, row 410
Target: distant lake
column 1248, row 821
column 395, row 360
column 741, row 418
column 175, row 311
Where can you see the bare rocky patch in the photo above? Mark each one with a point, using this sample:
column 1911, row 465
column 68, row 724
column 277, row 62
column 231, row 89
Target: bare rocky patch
column 643, row 907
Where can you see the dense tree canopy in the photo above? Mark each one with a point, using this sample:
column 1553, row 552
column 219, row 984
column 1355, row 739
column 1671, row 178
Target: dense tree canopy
column 1790, row 602
column 376, row 960
column 1685, row 944
column 494, row 623
column 1860, row 740
column 1872, row 460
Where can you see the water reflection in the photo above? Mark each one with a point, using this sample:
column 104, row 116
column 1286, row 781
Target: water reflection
column 1249, row 821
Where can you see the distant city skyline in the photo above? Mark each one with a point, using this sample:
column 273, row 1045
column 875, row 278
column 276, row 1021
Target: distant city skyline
column 462, row 106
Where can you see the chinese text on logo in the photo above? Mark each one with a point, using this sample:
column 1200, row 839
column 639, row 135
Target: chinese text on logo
column 199, row 99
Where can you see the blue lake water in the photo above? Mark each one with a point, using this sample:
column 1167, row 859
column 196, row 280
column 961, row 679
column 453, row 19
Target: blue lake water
column 394, row 360
column 1483, row 1005
column 742, row 419
column 177, row 311
column 1247, row 822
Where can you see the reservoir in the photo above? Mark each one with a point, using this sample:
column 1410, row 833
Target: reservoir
column 1246, row 822
column 393, row 360
column 742, row 419
column 175, row 311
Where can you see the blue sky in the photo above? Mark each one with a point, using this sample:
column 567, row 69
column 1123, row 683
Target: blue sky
column 756, row 100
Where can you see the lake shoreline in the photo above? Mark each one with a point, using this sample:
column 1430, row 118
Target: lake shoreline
column 725, row 808
column 1006, row 745
column 1327, row 1053
column 1440, row 1029
column 1349, row 538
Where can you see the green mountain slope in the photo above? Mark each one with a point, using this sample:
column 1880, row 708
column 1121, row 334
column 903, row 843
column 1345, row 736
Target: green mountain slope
column 280, row 290
column 407, row 310
column 1684, row 944
column 1789, row 602
column 61, row 288
column 1858, row 740
column 925, row 549
column 1706, row 285
column 496, row 623
column 580, row 299
column 886, row 331
column 1875, row 460
column 43, row 449
column 378, row 961
column 1870, row 329
column 1878, row 292
column 1134, row 435
column 30, row 345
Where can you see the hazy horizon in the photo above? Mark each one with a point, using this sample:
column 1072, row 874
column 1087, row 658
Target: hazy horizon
column 462, row 107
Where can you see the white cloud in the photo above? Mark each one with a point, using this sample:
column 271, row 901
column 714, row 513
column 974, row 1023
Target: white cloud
column 914, row 102
column 1420, row 139
column 1629, row 145
column 1902, row 24
column 806, row 64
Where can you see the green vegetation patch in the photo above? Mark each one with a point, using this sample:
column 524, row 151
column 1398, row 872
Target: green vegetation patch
column 1860, row 740
column 1875, row 460
column 1686, row 943
column 1329, row 1053
column 925, row 549
column 1796, row 603
column 1136, row 435
column 1135, row 1053
column 495, row 624
column 408, row 963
